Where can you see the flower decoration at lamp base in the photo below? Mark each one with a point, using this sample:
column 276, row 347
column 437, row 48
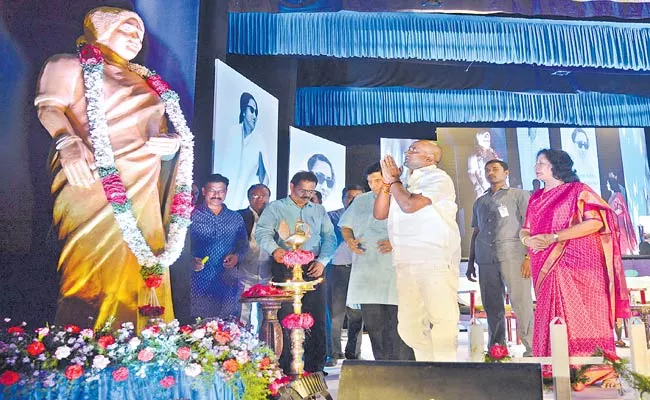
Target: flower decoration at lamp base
column 260, row 290
column 298, row 321
column 497, row 354
column 297, row 257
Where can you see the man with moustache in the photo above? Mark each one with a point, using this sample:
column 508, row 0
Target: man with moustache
column 495, row 246
column 422, row 230
column 276, row 224
column 254, row 268
column 372, row 276
column 219, row 234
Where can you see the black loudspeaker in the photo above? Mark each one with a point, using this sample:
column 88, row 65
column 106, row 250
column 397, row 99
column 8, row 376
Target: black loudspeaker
column 412, row 380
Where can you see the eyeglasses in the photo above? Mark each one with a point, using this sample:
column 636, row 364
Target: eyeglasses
column 252, row 109
column 322, row 178
column 216, row 191
column 305, row 191
column 416, row 151
column 259, row 196
column 583, row 145
column 540, row 163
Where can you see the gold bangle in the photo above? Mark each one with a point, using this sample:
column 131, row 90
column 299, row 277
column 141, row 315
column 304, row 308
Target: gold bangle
column 523, row 240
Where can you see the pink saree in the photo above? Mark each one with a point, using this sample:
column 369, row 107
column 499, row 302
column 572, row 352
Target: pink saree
column 628, row 241
column 580, row 280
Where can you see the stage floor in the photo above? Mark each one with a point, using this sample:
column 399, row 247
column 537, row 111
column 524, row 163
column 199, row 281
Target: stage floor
column 592, row 393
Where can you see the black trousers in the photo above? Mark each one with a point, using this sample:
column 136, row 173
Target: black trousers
column 313, row 302
column 338, row 279
column 381, row 323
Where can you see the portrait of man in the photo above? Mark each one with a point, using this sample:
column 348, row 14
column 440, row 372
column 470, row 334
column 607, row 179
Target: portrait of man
column 321, row 166
column 482, row 153
column 580, row 143
column 529, row 142
column 245, row 134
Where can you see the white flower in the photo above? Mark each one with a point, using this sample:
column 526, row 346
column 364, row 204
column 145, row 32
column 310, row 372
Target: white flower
column 199, row 333
column 62, row 352
column 147, row 334
column 87, row 333
column 193, row 369
column 100, row 362
column 134, row 343
column 42, row 332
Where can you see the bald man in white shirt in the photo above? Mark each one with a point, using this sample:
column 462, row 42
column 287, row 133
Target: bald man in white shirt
column 425, row 237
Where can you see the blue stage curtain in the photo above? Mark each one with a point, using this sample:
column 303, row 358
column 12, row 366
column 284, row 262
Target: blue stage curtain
column 495, row 40
column 341, row 106
column 134, row 388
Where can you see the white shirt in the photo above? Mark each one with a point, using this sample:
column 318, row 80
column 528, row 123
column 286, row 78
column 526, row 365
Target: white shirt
column 430, row 234
column 239, row 162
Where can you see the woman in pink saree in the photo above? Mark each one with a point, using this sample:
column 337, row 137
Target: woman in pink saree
column 628, row 241
column 575, row 260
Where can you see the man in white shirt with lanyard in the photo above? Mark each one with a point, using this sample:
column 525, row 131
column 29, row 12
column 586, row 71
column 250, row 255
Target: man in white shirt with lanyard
column 425, row 237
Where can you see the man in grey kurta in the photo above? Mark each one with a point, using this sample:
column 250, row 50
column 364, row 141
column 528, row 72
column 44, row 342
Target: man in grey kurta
column 495, row 246
column 372, row 278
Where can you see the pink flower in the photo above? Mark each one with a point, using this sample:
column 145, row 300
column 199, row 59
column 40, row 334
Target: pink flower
column 183, row 353
column 158, row 84
column 498, row 351
column 105, row 341
column 298, row 321
column 302, row 257
column 73, row 372
column 222, row 337
column 145, row 355
column 187, row 329
column 114, row 189
column 182, row 204
column 120, row 374
column 260, row 290
column 8, row 378
column 167, row 382
column 90, row 55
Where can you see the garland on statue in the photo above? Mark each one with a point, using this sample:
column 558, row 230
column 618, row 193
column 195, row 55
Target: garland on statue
column 152, row 266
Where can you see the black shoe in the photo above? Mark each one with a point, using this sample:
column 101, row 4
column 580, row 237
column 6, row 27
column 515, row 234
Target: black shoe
column 351, row 357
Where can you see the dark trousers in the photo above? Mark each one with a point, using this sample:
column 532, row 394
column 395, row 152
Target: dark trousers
column 314, row 303
column 338, row 278
column 381, row 323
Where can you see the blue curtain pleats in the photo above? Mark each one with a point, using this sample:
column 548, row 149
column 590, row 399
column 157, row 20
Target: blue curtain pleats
column 496, row 40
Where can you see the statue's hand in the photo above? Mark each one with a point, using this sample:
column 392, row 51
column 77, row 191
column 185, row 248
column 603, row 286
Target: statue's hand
column 77, row 161
column 163, row 144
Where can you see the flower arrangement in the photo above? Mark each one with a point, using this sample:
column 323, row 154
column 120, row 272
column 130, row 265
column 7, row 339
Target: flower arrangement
column 497, row 354
column 298, row 321
column 297, row 257
column 54, row 355
column 260, row 290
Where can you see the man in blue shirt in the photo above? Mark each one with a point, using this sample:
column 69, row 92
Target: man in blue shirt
column 275, row 225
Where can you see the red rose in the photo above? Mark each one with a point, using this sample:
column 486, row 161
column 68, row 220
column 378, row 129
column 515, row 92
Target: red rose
column 275, row 386
column 73, row 372
column 120, row 374
column 153, row 281
column 154, row 328
column 105, row 341
column 167, row 382
column 8, row 378
column 72, row 329
column 15, row 330
column 187, row 329
column 498, row 352
column 158, row 84
column 90, row 55
column 35, row 348
column 231, row 365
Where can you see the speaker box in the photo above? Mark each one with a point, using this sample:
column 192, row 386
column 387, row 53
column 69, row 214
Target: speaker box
column 412, row 380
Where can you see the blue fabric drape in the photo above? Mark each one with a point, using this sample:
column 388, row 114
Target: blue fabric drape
column 495, row 40
column 135, row 388
column 340, row 106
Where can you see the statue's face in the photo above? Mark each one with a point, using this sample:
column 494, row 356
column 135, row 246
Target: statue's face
column 126, row 39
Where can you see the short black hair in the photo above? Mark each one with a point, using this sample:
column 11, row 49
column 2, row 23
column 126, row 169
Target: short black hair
column 561, row 165
column 243, row 103
column 350, row 187
column 319, row 195
column 375, row 167
column 216, row 178
column 303, row 176
column 575, row 133
column 257, row 186
column 497, row 161
column 613, row 184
